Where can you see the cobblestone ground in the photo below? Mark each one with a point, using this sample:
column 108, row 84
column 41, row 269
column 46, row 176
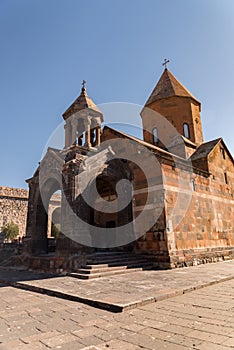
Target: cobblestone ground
column 202, row 320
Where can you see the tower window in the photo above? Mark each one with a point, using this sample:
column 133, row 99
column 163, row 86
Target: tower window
column 226, row 178
column 186, row 131
column 155, row 136
column 193, row 187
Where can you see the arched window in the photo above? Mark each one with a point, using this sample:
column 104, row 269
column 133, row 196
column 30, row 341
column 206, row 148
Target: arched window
column 155, row 136
column 186, row 131
column 193, row 186
column 226, row 178
column 223, row 152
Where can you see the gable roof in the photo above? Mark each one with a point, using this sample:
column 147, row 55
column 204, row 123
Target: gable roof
column 161, row 152
column 144, row 143
column 168, row 86
column 83, row 101
column 206, row 148
column 177, row 139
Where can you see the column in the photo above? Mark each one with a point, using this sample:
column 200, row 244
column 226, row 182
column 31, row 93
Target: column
column 98, row 135
column 87, row 134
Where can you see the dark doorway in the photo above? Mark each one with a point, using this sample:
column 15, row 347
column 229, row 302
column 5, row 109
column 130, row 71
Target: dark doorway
column 110, row 224
column 49, row 197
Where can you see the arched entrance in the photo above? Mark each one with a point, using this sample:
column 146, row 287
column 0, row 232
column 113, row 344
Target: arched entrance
column 105, row 184
column 54, row 221
column 55, row 226
column 48, row 198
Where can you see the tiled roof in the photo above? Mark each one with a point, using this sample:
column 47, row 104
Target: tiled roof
column 204, row 149
column 82, row 102
column 168, row 86
column 178, row 138
column 144, row 143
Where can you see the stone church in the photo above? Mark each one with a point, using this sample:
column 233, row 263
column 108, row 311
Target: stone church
column 179, row 205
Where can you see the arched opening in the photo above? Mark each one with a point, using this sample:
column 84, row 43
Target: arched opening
column 106, row 190
column 80, row 132
column 93, row 137
column 193, row 186
column 54, row 221
column 48, row 201
column 186, row 131
column 155, row 136
column 101, row 192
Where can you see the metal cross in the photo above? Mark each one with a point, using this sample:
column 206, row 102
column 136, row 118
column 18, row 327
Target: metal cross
column 166, row 61
column 83, row 84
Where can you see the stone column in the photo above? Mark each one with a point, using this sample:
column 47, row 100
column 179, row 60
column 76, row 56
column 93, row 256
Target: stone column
column 87, row 134
column 98, row 135
column 49, row 222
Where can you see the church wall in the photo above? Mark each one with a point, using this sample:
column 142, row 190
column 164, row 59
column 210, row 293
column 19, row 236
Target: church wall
column 149, row 200
column 206, row 231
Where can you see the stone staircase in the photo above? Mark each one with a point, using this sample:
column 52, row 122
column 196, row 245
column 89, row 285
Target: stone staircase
column 113, row 263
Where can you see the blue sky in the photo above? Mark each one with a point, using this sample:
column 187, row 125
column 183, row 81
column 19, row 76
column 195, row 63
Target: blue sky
column 49, row 46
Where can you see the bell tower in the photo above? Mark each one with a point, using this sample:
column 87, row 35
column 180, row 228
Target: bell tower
column 174, row 102
column 83, row 122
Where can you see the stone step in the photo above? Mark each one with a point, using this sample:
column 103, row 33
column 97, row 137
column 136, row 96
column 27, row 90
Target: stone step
column 117, row 263
column 111, row 263
column 102, row 270
column 114, row 264
column 97, row 269
column 106, row 273
column 110, row 255
column 111, row 260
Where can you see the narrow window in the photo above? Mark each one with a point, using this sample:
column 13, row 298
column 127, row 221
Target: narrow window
column 193, row 187
column 186, row 131
column 226, row 178
column 223, row 152
column 155, row 136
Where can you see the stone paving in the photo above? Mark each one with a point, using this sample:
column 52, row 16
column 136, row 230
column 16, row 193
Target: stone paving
column 201, row 320
column 122, row 292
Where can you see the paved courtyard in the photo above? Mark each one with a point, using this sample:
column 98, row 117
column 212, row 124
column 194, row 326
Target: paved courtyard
column 126, row 291
column 202, row 319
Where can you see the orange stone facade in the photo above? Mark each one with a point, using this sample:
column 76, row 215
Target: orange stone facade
column 192, row 196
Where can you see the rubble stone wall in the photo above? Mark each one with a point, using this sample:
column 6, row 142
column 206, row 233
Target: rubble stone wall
column 13, row 207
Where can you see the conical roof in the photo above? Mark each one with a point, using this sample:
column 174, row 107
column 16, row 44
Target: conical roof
column 82, row 102
column 168, row 86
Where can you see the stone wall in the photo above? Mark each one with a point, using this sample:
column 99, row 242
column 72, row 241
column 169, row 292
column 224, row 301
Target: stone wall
column 205, row 232
column 13, row 207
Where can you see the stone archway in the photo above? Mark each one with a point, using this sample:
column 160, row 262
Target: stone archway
column 55, row 223
column 40, row 242
column 105, row 184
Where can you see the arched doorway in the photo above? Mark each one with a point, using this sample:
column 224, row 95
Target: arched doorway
column 48, row 198
column 105, row 185
column 54, row 221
